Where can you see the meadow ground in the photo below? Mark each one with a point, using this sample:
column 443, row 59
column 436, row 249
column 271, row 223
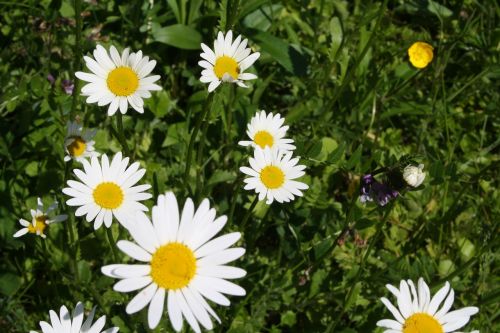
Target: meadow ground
column 339, row 72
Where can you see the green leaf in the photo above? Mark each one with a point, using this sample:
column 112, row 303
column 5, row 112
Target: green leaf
column 288, row 318
column 66, row 10
column 9, row 284
column 177, row 35
column 355, row 158
column 322, row 248
column 228, row 13
column 438, row 10
column 286, row 55
column 221, row 176
column 337, row 35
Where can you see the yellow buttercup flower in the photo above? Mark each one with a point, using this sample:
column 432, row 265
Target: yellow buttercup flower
column 421, row 54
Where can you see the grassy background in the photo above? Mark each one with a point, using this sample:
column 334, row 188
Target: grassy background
column 338, row 71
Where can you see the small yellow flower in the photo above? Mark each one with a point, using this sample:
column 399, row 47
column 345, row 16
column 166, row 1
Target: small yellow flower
column 421, row 54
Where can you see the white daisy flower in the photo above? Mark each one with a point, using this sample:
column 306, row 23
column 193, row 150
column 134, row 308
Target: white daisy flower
column 118, row 80
column 78, row 143
column 227, row 62
column 272, row 173
column 66, row 323
column 180, row 261
column 107, row 190
column 417, row 312
column 40, row 219
column 268, row 131
column 414, row 175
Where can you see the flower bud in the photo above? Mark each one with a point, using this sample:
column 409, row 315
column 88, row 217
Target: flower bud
column 414, row 175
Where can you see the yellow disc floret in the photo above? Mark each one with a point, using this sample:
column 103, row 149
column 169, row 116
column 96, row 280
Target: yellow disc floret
column 108, row 195
column 39, row 226
column 227, row 65
column 420, row 54
column 263, row 139
column 272, row 177
column 422, row 323
column 122, row 81
column 77, row 147
column 173, row 266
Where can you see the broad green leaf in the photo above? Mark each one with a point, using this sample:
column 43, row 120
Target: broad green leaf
column 438, row 9
column 9, row 284
column 177, row 35
column 285, row 54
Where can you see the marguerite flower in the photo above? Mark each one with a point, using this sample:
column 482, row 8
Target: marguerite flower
column 268, row 131
column 78, row 143
column 118, row 80
column 418, row 313
column 107, row 190
column 420, row 54
column 40, row 219
column 65, row 323
column 227, row 62
column 272, row 173
column 180, row 261
column 414, row 175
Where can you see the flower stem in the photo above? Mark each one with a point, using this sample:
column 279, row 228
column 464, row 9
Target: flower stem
column 206, row 107
column 236, row 190
column 77, row 53
column 121, row 134
column 249, row 212
column 111, row 242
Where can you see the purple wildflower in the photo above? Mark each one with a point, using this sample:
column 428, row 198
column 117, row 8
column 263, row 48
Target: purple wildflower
column 372, row 190
column 68, row 86
column 51, row 79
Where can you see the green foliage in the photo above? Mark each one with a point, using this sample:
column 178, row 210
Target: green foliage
column 338, row 71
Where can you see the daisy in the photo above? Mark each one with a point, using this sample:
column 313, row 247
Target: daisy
column 418, row 313
column 414, row 175
column 272, row 173
column 180, row 262
column 118, row 80
column 107, row 190
column 40, row 219
column 65, row 323
column 267, row 131
column 227, row 62
column 78, row 143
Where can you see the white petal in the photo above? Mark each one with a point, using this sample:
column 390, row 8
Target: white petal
column 141, row 299
column 156, row 308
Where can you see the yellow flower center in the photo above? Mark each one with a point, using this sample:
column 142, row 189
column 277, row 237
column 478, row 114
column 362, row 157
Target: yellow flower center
column 173, row 266
column 272, row 177
column 263, row 139
column 421, row 54
column 422, row 323
column 77, row 147
column 108, row 195
column 39, row 225
column 227, row 65
column 122, row 81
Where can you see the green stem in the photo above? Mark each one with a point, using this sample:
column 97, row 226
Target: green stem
column 74, row 241
column 236, row 190
column 249, row 212
column 121, row 134
column 206, row 107
column 111, row 242
column 77, row 54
